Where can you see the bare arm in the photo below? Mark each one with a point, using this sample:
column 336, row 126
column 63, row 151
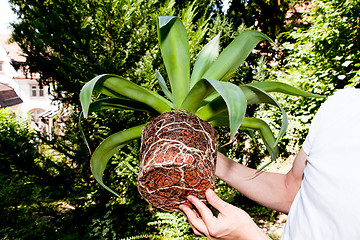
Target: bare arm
column 273, row 190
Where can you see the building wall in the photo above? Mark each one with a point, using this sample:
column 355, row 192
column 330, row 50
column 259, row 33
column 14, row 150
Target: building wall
column 7, row 72
column 35, row 99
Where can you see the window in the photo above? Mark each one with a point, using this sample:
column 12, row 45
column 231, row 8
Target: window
column 35, row 114
column 36, row 91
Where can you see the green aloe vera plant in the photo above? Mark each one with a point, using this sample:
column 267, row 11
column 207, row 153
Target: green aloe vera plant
column 204, row 92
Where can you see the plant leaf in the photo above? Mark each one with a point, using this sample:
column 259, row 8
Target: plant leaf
column 205, row 58
column 116, row 86
column 232, row 95
column 196, row 95
column 281, row 88
column 112, row 103
column 260, row 96
column 221, row 119
column 108, row 148
column 118, row 103
column 253, row 124
column 234, row 54
column 82, row 132
column 174, row 47
column 235, row 101
column 212, row 108
column 163, row 86
column 265, row 133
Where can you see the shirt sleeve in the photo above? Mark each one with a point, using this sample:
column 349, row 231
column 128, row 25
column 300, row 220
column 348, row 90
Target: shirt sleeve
column 326, row 114
column 313, row 130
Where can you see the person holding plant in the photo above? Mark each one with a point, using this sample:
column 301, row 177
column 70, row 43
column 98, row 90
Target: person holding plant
column 321, row 191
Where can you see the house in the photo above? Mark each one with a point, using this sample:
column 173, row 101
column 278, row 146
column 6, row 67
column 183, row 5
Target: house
column 8, row 96
column 20, row 92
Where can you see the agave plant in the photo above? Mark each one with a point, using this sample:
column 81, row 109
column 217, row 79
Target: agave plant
column 178, row 147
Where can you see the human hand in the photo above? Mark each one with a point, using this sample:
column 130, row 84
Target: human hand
column 231, row 223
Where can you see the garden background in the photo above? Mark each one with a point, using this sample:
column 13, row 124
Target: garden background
column 46, row 187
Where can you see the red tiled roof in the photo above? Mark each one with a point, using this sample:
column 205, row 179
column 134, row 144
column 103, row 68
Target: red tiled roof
column 12, row 49
column 8, row 96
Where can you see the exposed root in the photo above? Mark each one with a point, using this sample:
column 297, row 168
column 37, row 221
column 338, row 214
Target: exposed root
column 178, row 157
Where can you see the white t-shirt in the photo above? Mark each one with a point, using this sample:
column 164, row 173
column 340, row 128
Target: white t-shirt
column 327, row 206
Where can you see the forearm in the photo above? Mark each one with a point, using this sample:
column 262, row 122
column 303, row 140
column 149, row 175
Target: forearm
column 269, row 189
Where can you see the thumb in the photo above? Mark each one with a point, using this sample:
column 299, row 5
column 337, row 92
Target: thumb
column 215, row 201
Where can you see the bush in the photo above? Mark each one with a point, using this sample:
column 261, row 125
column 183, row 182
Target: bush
column 22, row 211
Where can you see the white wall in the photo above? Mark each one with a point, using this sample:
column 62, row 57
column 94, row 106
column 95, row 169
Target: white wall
column 7, row 71
column 32, row 102
column 23, row 87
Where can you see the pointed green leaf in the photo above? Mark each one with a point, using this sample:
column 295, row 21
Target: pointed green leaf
column 116, row 86
column 196, row 95
column 221, row 119
column 174, row 47
column 82, row 132
column 205, row 58
column 108, row 148
column 112, row 103
column 250, row 123
column 211, row 109
column 165, row 21
column 265, row 133
column 234, row 55
column 232, row 95
column 281, row 88
column 210, row 98
column 260, row 96
column 235, row 101
column 163, row 85
column 118, row 103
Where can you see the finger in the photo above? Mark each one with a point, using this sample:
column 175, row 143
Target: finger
column 203, row 210
column 190, row 214
column 195, row 221
column 197, row 232
column 216, row 202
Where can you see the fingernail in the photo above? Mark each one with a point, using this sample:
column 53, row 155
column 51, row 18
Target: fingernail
column 209, row 191
column 209, row 194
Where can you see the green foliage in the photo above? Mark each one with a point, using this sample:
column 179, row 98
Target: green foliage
column 206, row 94
column 172, row 225
column 71, row 41
column 320, row 55
column 328, row 49
column 268, row 17
column 44, row 195
column 25, row 174
column 20, row 151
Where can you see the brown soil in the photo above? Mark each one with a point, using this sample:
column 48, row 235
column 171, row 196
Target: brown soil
column 178, row 155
